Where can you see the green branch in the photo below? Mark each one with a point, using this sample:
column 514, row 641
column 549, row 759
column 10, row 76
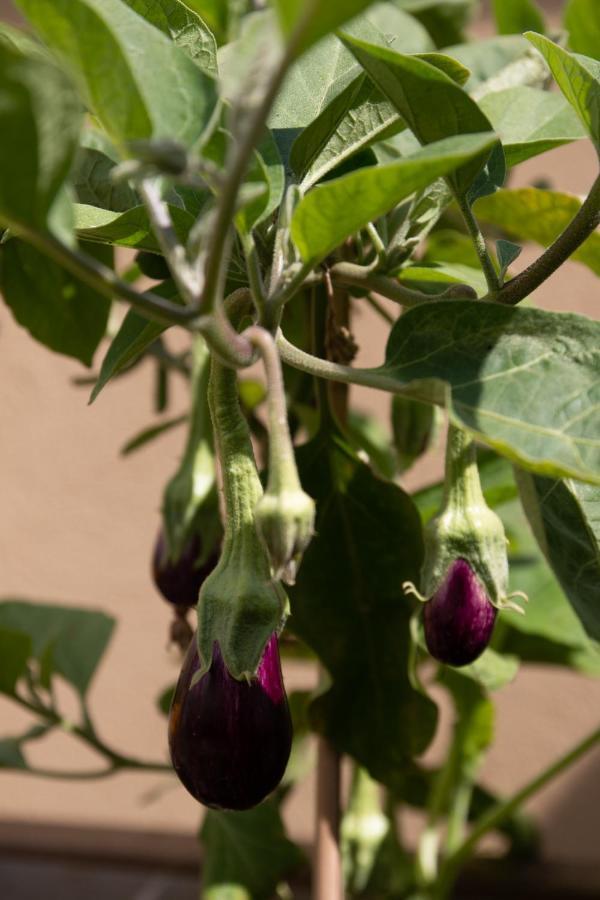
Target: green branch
column 583, row 224
column 504, row 808
column 491, row 276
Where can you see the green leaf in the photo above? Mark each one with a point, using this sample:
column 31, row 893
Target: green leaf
column 582, row 21
column 532, row 214
column 92, row 181
column 348, row 606
column 149, row 434
column 492, row 671
column 565, row 518
column 40, row 118
column 78, row 637
column 506, row 375
column 486, row 58
column 507, row 253
column 126, row 229
column 410, row 83
column 433, row 277
column 185, row 28
column 216, row 14
column 578, row 77
column 333, row 211
column 309, row 22
column 246, row 853
column 444, row 19
column 530, row 121
column 132, row 339
column 15, row 649
column 56, row 308
column 135, row 95
column 517, row 16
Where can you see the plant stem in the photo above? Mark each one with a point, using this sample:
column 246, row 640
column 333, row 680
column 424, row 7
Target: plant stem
column 257, row 287
column 491, row 276
column 102, row 279
column 174, row 252
column 87, row 734
column 328, row 882
column 583, row 224
column 377, row 243
column 504, row 808
column 364, row 277
column 283, row 474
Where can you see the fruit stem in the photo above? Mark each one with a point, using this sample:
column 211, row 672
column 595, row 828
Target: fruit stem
column 462, row 485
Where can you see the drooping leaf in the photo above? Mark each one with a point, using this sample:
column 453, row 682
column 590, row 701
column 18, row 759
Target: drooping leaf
column 533, row 214
column 56, row 308
column 134, row 336
column 507, row 374
column 185, row 28
column 409, row 83
column 578, row 77
column 126, row 229
column 582, row 21
column 565, row 518
column 507, row 253
column 77, row 637
column 246, row 853
column 347, row 605
column 530, row 121
column 40, row 118
column 333, row 211
column 310, row 21
column 135, row 95
column 517, row 16
column 15, row 650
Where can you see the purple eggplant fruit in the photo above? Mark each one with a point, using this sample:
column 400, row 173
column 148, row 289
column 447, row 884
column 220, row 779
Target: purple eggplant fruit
column 459, row 618
column 230, row 740
column 180, row 582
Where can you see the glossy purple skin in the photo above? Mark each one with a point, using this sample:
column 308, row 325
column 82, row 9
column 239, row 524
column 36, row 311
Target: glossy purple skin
column 230, row 740
column 180, row 582
column 459, row 618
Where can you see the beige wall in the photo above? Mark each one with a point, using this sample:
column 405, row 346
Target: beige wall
column 77, row 527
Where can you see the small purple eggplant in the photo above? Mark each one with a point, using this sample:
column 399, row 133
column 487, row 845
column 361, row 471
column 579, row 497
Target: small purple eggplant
column 230, row 740
column 459, row 618
column 180, row 582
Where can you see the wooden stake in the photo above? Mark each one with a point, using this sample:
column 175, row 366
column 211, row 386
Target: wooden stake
column 327, row 875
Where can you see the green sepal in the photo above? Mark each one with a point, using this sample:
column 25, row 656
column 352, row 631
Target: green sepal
column 465, row 527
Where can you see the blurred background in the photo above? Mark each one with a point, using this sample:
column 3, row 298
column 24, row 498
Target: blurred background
column 78, row 527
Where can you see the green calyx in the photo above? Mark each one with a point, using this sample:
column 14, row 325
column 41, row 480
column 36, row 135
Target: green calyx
column 240, row 605
column 465, row 527
column 285, row 520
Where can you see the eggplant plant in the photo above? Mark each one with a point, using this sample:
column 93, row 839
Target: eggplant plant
column 270, row 170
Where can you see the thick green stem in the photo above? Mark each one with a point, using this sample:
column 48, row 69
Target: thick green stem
column 364, row 277
column 462, row 486
column 577, row 231
column 283, row 474
column 505, row 808
column 491, row 276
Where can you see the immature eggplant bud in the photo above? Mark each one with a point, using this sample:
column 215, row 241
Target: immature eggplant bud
column 180, row 581
column 230, row 739
column 286, row 523
column 415, row 426
column 459, row 618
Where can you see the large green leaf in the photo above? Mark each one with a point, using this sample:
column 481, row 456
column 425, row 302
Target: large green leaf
column 135, row 80
column 91, row 178
column 517, row 16
column 582, row 20
column 66, row 640
column 444, row 19
column 333, row 211
column 486, row 58
column 311, row 20
column 578, row 77
column 348, row 606
column 246, row 853
column 565, row 518
column 40, row 118
column 533, row 214
column 515, row 377
column 55, row 307
column 185, row 28
column 530, row 121
column 126, row 229
column 430, row 102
